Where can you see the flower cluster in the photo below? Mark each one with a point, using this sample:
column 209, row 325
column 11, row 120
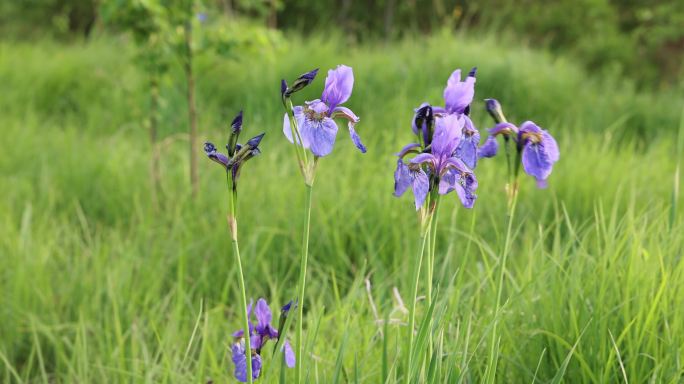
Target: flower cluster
column 317, row 129
column 447, row 147
column 237, row 154
column 259, row 335
column 535, row 147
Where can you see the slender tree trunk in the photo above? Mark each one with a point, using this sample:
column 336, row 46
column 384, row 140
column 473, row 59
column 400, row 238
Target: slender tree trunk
column 192, row 113
column 273, row 14
column 389, row 19
column 154, row 122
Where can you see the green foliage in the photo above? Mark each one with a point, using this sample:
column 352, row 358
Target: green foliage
column 99, row 286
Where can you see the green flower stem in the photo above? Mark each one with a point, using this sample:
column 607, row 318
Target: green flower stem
column 493, row 355
column 299, row 345
column 232, row 224
column 415, row 276
column 432, row 246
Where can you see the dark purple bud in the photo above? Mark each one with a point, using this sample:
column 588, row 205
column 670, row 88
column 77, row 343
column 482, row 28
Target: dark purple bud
column 301, row 82
column 283, row 87
column 283, row 315
column 472, row 72
column 494, row 110
column 253, row 143
column 424, row 121
column 235, row 129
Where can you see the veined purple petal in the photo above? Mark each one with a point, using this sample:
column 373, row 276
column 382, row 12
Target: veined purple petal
column 338, row 86
column 413, row 147
column 402, row 178
column 320, row 134
column 536, row 161
column 467, row 148
column 529, row 127
column 447, row 136
column 421, row 187
column 489, row 148
column 551, row 146
column 289, row 354
column 458, row 94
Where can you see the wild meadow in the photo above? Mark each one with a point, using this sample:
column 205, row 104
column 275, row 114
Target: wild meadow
column 105, row 277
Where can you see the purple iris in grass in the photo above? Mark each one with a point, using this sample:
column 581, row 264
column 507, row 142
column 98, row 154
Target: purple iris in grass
column 315, row 119
column 260, row 334
column 446, row 151
column 537, row 149
column 437, row 167
column 458, row 95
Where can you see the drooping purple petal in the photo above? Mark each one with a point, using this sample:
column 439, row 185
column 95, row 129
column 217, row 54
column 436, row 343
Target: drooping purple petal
column 458, row 94
column 338, row 86
column 536, row 161
column 239, row 357
column 348, row 114
column 320, row 134
column 551, row 146
column 489, row 148
column 421, row 187
column 467, row 147
column 289, row 354
column 214, row 155
column 448, row 129
column 402, row 178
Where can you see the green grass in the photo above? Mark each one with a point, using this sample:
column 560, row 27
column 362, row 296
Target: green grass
column 100, row 284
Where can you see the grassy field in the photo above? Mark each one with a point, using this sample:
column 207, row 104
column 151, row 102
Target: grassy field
column 101, row 283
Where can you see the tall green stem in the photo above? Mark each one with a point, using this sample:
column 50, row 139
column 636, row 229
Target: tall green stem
column 491, row 368
column 302, row 284
column 232, row 223
column 432, row 246
column 415, row 276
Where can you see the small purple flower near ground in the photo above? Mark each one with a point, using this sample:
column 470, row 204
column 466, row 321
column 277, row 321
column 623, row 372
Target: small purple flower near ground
column 260, row 334
column 315, row 119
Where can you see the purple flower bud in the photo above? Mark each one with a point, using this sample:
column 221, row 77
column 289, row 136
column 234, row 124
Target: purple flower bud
column 494, row 110
column 301, row 82
column 253, row 143
column 472, row 72
column 235, row 129
column 283, row 87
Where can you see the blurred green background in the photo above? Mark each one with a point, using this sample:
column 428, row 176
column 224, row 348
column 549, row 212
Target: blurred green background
column 111, row 271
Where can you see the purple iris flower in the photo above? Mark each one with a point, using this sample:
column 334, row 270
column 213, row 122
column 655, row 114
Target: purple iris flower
column 439, row 166
column 538, row 150
column 239, row 357
column 315, row 120
column 259, row 336
column 447, row 149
